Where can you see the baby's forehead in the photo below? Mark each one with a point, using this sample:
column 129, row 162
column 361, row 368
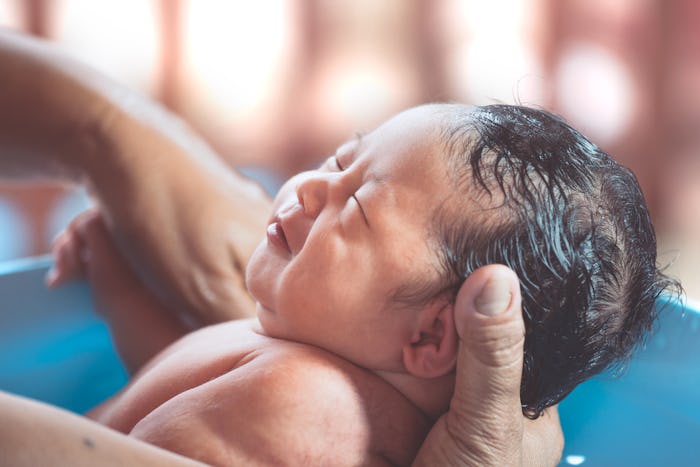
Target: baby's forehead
column 434, row 122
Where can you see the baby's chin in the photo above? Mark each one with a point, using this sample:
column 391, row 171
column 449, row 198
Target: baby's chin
column 267, row 320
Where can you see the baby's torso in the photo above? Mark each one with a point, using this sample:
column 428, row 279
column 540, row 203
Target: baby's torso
column 228, row 392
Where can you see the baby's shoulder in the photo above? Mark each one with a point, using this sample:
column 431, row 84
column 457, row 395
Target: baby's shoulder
column 306, row 404
column 324, row 386
column 349, row 415
column 279, row 402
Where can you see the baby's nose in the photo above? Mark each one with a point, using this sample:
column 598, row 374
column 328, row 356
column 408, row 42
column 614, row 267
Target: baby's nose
column 312, row 193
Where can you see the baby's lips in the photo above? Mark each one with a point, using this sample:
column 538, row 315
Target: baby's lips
column 276, row 236
column 295, row 226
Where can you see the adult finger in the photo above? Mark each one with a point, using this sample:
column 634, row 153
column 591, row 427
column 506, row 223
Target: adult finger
column 485, row 419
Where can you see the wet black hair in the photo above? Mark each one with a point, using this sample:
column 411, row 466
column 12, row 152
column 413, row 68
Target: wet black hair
column 571, row 222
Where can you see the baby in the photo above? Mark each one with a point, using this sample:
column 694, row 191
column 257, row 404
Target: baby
column 351, row 358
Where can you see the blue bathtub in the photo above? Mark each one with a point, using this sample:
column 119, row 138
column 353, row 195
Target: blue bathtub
column 54, row 348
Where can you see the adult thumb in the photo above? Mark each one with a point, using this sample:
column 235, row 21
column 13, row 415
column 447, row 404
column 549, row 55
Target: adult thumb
column 485, row 411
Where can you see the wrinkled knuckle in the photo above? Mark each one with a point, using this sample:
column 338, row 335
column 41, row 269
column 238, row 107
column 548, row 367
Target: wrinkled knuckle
column 496, row 347
column 473, row 443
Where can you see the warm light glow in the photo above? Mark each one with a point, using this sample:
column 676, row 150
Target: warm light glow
column 234, row 52
column 118, row 38
column 503, row 71
column 595, row 91
column 492, row 57
column 356, row 94
column 10, row 14
column 493, row 19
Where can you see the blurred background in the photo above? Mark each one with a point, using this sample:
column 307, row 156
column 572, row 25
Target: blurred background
column 276, row 85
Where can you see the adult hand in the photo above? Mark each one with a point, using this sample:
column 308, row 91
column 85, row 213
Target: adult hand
column 485, row 425
column 185, row 221
column 186, row 229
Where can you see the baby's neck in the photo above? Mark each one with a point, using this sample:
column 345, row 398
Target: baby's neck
column 430, row 395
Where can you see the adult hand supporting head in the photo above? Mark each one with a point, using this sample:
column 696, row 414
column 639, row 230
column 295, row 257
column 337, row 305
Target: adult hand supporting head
column 485, row 424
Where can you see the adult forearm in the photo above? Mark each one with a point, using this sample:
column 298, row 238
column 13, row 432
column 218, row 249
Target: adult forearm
column 32, row 433
column 186, row 221
column 47, row 103
column 59, row 117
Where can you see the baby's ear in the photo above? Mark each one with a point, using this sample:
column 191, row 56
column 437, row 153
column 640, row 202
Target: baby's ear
column 432, row 351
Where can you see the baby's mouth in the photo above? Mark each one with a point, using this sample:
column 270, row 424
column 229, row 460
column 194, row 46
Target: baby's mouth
column 276, row 236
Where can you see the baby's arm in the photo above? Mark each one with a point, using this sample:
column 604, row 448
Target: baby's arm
column 140, row 325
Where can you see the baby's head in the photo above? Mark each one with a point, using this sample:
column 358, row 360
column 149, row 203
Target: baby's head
column 574, row 226
column 364, row 256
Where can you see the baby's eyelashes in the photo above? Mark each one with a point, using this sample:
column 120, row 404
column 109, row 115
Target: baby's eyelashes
column 332, row 163
column 362, row 210
column 337, row 164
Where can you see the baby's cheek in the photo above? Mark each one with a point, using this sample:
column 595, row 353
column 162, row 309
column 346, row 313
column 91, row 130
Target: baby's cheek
column 259, row 271
column 285, row 195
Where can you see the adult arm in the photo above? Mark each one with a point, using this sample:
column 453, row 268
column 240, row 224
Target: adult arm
column 33, row 433
column 485, row 425
column 185, row 221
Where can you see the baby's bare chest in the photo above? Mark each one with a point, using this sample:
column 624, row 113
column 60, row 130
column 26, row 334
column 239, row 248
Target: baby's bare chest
column 187, row 365
column 227, row 367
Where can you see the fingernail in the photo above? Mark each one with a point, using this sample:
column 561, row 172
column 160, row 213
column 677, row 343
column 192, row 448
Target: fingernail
column 494, row 297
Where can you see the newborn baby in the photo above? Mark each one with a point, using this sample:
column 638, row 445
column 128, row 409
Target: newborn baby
column 351, row 358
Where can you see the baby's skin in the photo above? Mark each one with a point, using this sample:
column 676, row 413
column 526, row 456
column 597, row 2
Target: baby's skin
column 229, row 395
column 338, row 368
